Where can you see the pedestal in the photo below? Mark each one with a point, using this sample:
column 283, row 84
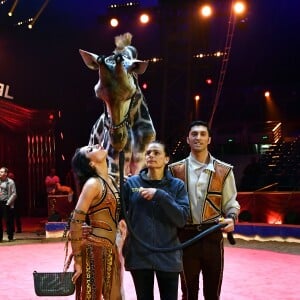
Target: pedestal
column 60, row 205
column 55, row 229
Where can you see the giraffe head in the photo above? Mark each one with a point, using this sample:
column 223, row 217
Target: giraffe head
column 117, row 85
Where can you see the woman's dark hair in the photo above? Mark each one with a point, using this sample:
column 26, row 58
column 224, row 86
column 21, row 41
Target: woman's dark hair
column 166, row 148
column 81, row 167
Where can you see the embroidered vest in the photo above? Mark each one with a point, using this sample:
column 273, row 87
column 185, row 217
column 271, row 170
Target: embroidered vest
column 212, row 207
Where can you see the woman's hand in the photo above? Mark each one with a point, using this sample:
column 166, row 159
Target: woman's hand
column 86, row 231
column 78, row 271
column 147, row 193
column 123, row 229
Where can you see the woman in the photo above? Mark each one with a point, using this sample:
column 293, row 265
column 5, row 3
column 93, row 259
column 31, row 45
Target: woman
column 157, row 204
column 96, row 260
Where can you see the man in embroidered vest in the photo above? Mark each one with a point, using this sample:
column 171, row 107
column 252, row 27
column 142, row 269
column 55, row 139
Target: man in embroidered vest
column 8, row 196
column 212, row 195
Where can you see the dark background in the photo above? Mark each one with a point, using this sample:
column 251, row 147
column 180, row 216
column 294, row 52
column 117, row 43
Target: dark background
column 44, row 70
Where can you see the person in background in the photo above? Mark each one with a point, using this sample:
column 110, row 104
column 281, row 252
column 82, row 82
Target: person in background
column 54, row 186
column 96, row 258
column 8, row 196
column 51, row 182
column 212, row 195
column 156, row 205
column 17, row 206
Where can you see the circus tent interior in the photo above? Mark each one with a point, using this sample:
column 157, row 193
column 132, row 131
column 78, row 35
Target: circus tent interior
column 27, row 148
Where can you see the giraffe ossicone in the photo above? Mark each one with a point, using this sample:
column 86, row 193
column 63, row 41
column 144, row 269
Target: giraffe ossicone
column 126, row 123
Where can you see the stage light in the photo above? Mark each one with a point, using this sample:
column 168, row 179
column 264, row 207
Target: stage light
column 144, row 18
column 144, row 86
column 114, row 22
column 206, row 11
column 197, row 97
column 197, row 101
column 208, row 81
column 155, row 59
column 30, row 26
column 239, row 7
column 10, row 13
column 274, row 217
column 267, row 94
column 123, row 5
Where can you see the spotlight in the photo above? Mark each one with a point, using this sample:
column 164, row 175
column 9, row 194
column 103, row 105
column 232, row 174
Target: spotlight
column 206, row 11
column 239, row 7
column 38, row 14
column 10, row 13
column 114, row 22
column 144, row 18
column 267, row 94
column 208, row 81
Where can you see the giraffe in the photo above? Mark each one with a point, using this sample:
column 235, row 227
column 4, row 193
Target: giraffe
column 126, row 123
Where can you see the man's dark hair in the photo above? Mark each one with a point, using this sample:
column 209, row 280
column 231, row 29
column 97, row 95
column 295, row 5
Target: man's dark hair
column 5, row 169
column 200, row 123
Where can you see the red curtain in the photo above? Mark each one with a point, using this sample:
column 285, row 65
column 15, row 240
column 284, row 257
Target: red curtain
column 27, row 148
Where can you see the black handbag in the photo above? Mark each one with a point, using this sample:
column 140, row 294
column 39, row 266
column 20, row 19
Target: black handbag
column 53, row 284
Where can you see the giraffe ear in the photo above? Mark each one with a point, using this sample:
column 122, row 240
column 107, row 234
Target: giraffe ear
column 138, row 66
column 90, row 59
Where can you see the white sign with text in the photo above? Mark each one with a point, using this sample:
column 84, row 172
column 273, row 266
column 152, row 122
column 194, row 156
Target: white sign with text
column 4, row 91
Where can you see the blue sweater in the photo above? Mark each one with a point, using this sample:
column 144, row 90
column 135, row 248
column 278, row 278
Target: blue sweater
column 155, row 222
